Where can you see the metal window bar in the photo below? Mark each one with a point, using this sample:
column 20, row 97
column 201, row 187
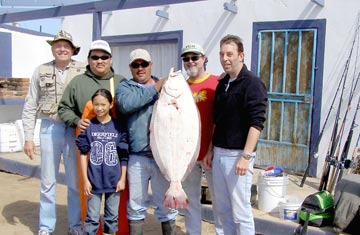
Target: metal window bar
column 272, row 61
column 285, row 60
column 298, row 62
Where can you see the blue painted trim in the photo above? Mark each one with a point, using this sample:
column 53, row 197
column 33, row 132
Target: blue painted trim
column 97, row 25
column 23, row 30
column 12, row 101
column 5, row 54
column 320, row 26
column 148, row 38
column 85, row 8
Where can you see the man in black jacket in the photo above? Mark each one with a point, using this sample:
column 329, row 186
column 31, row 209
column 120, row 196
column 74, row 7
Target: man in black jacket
column 239, row 115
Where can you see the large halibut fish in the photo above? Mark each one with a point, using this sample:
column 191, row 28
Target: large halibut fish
column 175, row 136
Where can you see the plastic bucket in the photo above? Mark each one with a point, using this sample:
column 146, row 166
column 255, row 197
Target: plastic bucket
column 289, row 209
column 272, row 191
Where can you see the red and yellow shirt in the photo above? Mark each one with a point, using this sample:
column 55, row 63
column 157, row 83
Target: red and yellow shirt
column 203, row 92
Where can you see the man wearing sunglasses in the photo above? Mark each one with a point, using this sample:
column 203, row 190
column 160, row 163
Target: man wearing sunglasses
column 202, row 85
column 75, row 108
column 99, row 74
column 45, row 91
column 135, row 99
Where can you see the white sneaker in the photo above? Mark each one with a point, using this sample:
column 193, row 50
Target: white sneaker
column 43, row 232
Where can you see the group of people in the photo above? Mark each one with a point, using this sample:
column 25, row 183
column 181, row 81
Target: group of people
column 112, row 116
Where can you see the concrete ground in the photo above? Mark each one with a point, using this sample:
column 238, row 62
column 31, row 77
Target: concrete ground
column 19, row 205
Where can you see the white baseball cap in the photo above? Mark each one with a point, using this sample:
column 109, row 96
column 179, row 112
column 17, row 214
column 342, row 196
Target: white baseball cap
column 139, row 54
column 100, row 45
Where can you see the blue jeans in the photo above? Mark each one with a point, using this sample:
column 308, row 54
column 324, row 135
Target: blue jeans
column 192, row 188
column 140, row 171
column 57, row 140
column 233, row 192
column 91, row 224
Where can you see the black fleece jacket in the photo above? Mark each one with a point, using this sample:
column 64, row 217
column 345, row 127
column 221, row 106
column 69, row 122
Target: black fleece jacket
column 238, row 106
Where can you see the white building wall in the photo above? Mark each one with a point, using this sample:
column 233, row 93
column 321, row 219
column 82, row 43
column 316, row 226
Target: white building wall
column 30, row 54
column 28, row 51
column 80, row 27
column 206, row 22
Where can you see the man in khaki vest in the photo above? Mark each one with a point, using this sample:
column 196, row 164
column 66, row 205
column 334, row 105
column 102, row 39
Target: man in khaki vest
column 56, row 139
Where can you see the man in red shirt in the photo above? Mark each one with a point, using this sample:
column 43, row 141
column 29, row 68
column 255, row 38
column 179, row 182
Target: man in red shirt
column 202, row 85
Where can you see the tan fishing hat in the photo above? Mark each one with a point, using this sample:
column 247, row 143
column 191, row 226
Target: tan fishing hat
column 63, row 35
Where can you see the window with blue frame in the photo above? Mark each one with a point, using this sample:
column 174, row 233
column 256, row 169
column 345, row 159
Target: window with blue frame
column 288, row 57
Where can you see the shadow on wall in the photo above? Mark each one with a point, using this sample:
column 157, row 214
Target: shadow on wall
column 212, row 41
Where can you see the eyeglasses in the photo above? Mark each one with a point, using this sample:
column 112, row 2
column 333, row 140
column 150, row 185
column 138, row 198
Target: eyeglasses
column 104, row 57
column 193, row 58
column 143, row 64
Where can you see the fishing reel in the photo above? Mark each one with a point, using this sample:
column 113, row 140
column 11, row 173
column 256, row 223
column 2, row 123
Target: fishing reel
column 347, row 163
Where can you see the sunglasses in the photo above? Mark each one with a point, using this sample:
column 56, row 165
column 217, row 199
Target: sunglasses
column 104, row 57
column 143, row 64
column 192, row 58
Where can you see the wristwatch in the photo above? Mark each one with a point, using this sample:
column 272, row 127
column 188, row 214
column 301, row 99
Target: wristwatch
column 246, row 156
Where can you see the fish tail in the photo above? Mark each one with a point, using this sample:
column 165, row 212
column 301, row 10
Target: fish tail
column 175, row 197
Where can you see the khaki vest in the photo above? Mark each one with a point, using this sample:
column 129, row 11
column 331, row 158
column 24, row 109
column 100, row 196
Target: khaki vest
column 52, row 88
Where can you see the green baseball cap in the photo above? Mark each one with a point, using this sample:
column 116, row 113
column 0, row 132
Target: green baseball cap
column 193, row 48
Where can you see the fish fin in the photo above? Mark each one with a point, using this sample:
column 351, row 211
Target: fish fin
column 175, row 197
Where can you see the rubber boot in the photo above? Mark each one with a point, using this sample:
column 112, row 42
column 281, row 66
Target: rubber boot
column 168, row 227
column 136, row 227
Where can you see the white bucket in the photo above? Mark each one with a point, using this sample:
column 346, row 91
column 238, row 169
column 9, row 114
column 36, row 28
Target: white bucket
column 289, row 209
column 272, row 190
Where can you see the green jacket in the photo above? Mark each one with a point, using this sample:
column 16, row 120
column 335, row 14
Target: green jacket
column 79, row 91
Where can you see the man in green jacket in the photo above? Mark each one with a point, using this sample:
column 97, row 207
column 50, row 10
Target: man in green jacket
column 75, row 108
column 98, row 74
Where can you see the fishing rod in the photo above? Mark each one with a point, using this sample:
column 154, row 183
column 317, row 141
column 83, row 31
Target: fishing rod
column 332, row 158
column 344, row 156
column 332, row 144
column 335, row 136
column 339, row 165
column 314, row 153
column 339, row 137
column 315, row 149
column 355, row 166
column 344, row 161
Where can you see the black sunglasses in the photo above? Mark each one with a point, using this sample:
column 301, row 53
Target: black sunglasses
column 104, row 57
column 143, row 64
column 193, row 58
